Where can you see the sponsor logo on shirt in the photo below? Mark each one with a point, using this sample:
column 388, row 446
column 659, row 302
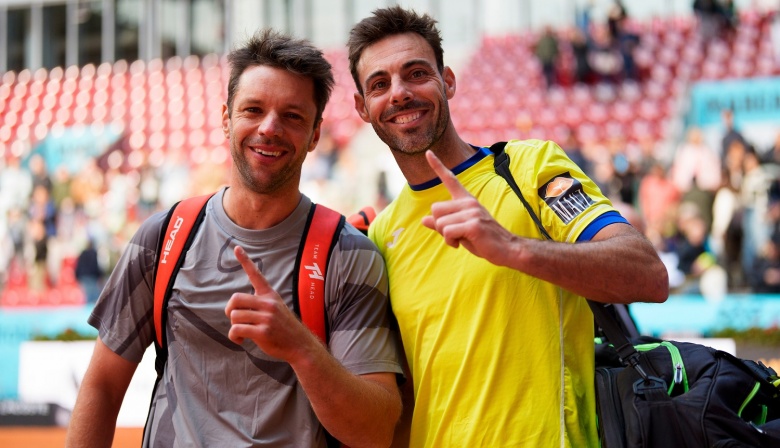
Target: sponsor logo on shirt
column 565, row 196
column 395, row 238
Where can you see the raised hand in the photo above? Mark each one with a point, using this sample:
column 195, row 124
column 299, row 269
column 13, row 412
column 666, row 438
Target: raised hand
column 263, row 317
column 464, row 221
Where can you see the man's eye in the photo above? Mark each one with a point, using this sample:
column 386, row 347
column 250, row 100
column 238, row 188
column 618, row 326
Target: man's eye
column 418, row 74
column 379, row 85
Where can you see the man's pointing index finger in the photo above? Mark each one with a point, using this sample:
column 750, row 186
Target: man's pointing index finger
column 451, row 183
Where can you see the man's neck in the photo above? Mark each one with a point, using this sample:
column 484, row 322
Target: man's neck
column 255, row 211
column 451, row 151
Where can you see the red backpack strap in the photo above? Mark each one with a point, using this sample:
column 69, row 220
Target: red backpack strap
column 320, row 235
column 184, row 216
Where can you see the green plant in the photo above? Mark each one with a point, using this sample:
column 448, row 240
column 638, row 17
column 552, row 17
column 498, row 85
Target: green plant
column 769, row 336
column 66, row 335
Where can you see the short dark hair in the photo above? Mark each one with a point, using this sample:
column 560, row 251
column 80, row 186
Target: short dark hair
column 386, row 22
column 274, row 49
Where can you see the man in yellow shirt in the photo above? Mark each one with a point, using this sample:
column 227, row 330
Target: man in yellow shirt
column 497, row 334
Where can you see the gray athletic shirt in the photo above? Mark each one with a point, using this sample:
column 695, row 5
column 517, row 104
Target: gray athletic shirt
column 218, row 393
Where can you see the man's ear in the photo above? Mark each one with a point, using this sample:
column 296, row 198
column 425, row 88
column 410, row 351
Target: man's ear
column 360, row 107
column 316, row 138
column 225, row 120
column 449, row 82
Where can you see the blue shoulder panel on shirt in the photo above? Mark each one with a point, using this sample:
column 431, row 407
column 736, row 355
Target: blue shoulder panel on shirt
column 599, row 223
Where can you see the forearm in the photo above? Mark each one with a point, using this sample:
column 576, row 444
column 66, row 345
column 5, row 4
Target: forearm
column 622, row 269
column 360, row 411
column 93, row 421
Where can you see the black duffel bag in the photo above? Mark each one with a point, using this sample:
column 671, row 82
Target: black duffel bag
column 679, row 394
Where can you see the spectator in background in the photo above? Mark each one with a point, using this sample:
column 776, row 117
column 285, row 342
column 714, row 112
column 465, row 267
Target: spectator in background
column 38, row 279
column 731, row 134
column 604, row 56
column 61, row 181
column 18, row 232
column 765, row 275
column 546, row 50
column 87, row 188
column 625, row 40
column 573, row 148
column 88, row 272
column 658, row 198
column 696, row 260
column 174, row 174
column 730, row 18
column 696, row 172
column 43, row 212
column 726, row 230
column 710, row 17
column 15, row 186
column 616, row 18
column 754, row 200
column 578, row 40
column 148, row 190
column 772, row 155
column 39, row 172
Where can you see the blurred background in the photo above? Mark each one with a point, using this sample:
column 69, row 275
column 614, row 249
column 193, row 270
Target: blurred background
column 110, row 110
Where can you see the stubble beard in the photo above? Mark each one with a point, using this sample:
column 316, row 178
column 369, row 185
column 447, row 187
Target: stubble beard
column 416, row 140
column 254, row 180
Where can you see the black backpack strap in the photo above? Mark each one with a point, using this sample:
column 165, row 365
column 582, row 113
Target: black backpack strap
column 603, row 315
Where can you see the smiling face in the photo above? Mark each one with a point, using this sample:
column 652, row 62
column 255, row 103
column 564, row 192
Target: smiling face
column 404, row 95
column 271, row 128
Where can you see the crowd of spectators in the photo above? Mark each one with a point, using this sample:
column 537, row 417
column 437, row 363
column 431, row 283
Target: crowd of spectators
column 60, row 228
column 596, row 52
column 600, row 52
column 712, row 211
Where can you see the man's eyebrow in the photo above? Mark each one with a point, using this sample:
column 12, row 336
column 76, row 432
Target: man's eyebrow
column 405, row 66
column 290, row 106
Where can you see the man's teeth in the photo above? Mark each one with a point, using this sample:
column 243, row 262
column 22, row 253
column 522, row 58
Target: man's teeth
column 407, row 118
column 267, row 153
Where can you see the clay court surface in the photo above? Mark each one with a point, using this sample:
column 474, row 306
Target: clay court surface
column 38, row 437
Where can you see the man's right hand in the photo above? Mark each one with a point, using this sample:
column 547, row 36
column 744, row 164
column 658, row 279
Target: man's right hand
column 264, row 318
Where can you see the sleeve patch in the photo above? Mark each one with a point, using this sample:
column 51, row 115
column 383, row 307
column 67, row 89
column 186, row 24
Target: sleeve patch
column 565, row 196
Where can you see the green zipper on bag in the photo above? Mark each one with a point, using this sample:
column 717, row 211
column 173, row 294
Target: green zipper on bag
column 680, row 376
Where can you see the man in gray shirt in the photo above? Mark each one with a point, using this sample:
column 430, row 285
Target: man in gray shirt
column 242, row 370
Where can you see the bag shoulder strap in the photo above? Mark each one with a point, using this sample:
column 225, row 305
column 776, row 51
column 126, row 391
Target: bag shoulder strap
column 180, row 225
column 606, row 320
column 501, row 165
column 320, row 235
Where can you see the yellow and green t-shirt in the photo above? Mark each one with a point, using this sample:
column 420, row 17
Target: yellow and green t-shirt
column 497, row 357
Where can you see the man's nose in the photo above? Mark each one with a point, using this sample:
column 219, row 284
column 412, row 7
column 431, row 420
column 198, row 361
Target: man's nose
column 400, row 92
column 270, row 125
